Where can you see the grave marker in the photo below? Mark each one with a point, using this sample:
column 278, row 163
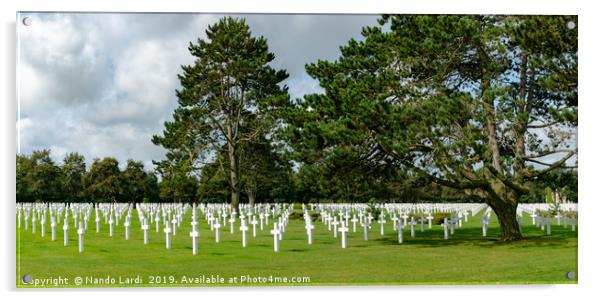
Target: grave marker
column 145, row 229
column 335, row 223
column 127, row 228
column 167, row 231
column 343, row 231
column 244, row 229
column 80, row 234
column 216, row 226
column 354, row 221
column 400, row 232
column 382, row 222
column 275, row 232
column 308, row 228
column 66, row 231
column 53, row 227
column 232, row 221
column 254, row 223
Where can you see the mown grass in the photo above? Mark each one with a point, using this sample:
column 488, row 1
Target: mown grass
column 466, row 258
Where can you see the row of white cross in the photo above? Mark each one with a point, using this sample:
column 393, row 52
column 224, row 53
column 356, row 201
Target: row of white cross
column 279, row 227
column 171, row 217
column 336, row 217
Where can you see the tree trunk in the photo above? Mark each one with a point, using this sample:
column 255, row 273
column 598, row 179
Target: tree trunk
column 252, row 196
column 234, row 177
column 506, row 214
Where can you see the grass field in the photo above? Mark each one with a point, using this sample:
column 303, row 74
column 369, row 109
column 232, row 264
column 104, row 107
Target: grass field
column 466, row 258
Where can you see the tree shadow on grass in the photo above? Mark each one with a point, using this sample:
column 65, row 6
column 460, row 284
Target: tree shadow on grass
column 298, row 250
column 473, row 237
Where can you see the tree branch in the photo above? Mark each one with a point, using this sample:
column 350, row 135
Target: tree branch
column 506, row 181
column 551, row 167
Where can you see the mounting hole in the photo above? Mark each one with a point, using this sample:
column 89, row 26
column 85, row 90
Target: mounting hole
column 570, row 25
column 570, row 275
column 27, row 21
column 27, row 279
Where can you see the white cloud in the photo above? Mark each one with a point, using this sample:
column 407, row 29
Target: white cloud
column 103, row 84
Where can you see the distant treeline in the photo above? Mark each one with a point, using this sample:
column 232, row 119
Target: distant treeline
column 39, row 178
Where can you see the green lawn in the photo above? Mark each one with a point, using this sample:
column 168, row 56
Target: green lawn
column 466, row 258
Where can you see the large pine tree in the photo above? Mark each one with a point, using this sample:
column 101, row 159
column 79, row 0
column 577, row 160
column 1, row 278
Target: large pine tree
column 230, row 85
column 483, row 104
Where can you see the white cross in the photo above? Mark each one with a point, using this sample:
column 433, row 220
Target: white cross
column 308, row 228
column 174, row 222
column 167, row 231
column 261, row 221
column 97, row 222
column 421, row 223
column 66, row 232
column 111, row 225
column 211, row 219
column 573, row 223
column 394, row 219
column 430, row 218
column 217, row 225
column 485, row 224
column 405, row 219
column 42, row 224
column 194, row 235
column 145, row 229
column 80, row 234
column 365, row 224
column 127, row 229
column 335, row 223
column 33, row 223
column 232, row 220
column 53, row 226
column 157, row 219
column 244, row 229
column 254, row 223
column 533, row 217
column 343, row 231
column 354, row 221
column 281, row 228
column 275, row 232
column 399, row 232
column 382, row 222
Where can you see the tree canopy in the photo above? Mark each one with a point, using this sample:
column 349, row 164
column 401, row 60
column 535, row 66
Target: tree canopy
column 482, row 104
column 227, row 100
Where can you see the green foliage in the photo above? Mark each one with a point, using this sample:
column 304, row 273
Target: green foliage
column 102, row 183
column 438, row 217
column 72, row 173
column 298, row 215
column 549, row 196
column 449, row 99
column 39, row 179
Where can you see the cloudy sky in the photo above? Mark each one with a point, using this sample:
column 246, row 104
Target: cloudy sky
column 103, row 84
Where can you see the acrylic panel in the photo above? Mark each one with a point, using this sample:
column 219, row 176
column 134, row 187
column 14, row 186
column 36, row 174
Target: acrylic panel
column 189, row 149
